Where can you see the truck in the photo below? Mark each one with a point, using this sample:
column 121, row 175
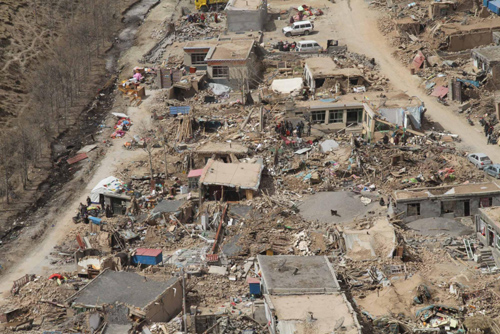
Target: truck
column 205, row 5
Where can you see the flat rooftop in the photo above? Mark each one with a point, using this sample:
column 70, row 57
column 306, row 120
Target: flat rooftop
column 241, row 175
column 244, row 4
column 391, row 100
column 218, row 148
column 314, row 274
column 227, row 49
column 460, row 190
column 327, row 310
column 231, row 50
column 201, row 44
column 491, row 53
column 321, row 66
column 123, row 287
column 493, row 213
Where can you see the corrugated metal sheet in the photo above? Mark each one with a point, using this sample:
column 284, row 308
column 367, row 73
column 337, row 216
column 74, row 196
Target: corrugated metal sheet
column 212, row 257
column 440, row 91
column 148, row 252
column 180, row 110
column 195, row 172
column 77, row 158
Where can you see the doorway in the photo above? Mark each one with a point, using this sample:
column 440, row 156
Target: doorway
column 491, row 237
column 466, row 208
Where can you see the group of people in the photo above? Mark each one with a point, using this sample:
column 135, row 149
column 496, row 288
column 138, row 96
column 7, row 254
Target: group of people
column 489, row 130
column 202, row 17
column 397, row 138
column 286, row 128
column 84, row 211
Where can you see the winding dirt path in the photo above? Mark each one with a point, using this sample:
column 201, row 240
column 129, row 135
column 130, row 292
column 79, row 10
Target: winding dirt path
column 355, row 24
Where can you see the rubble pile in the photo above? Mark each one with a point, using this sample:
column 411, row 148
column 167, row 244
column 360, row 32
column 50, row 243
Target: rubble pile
column 280, row 191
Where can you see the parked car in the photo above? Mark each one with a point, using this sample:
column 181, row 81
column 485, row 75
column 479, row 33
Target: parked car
column 493, row 170
column 480, row 160
column 308, row 46
column 298, row 28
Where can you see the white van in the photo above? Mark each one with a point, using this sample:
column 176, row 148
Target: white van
column 308, row 46
column 298, row 28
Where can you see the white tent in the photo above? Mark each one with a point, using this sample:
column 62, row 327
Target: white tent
column 109, row 185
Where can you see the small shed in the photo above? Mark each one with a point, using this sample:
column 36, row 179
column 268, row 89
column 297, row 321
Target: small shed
column 194, row 178
column 147, row 256
column 254, row 285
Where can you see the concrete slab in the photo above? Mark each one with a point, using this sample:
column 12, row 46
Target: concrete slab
column 347, row 204
column 216, row 270
column 128, row 288
column 438, row 225
column 290, row 274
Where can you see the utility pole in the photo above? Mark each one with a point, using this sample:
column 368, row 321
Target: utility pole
column 261, row 119
column 184, row 317
column 166, row 154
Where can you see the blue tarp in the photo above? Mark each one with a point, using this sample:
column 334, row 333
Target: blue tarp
column 494, row 6
column 180, row 110
column 95, row 220
column 472, row 82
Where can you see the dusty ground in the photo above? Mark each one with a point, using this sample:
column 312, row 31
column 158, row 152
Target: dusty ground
column 350, row 21
column 63, row 207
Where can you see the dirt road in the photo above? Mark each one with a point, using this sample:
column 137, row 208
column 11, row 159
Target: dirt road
column 37, row 261
column 355, row 24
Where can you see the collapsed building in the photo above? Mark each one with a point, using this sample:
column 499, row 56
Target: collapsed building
column 230, row 181
column 319, row 71
column 446, row 201
column 302, row 294
column 145, row 298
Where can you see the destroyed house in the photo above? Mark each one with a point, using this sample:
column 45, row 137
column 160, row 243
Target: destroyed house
column 145, row 298
column 488, row 228
column 331, row 116
column 226, row 62
column 318, row 70
column 387, row 118
column 227, row 152
column 230, row 181
column 448, row 201
column 302, row 295
column 246, row 15
column 441, row 8
column 488, row 59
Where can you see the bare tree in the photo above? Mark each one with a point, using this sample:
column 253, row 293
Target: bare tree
column 7, row 161
column 149, row 142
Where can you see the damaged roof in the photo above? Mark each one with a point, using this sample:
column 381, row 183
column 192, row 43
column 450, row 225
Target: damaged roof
column 489, row 53
column 233, row 49
column 123, row 287
column 447, row 191
column 290, row 274
column 239, row 175
column 328, row 311
column 222, row 148
column 168, row 206
column 321, row 66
